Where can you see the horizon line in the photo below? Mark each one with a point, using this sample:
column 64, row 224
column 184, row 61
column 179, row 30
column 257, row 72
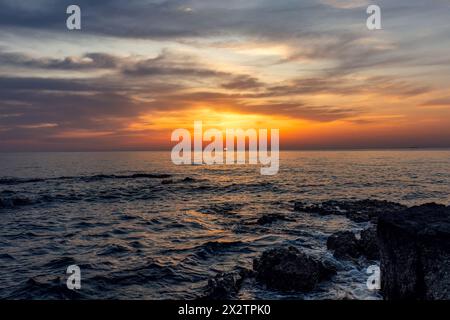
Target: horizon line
column 281, row 150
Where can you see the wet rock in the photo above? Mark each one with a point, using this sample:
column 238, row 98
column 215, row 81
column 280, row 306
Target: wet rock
column 344, row 244
column 271, row 218
column 325, row 208
column 289, row 269
column 415, row 253
column 368, row 243
column 225, row 285
column 358, row 211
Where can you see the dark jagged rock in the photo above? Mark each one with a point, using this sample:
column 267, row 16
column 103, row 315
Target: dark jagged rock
column 271, row 218
column 225, row 285
column 415, row 253
column 369, row 243
column 358, row 211
column 344, row 244
column 289, row 269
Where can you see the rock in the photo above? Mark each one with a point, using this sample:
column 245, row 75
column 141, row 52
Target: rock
column 325, row 208
column 369, row 243
column 344, row 244
column 168, row 181
column 415, row 253
column 288, row 269
column 358, row 211
column 270, row 218
column 225, row 285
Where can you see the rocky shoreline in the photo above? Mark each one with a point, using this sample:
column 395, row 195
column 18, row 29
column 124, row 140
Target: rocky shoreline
column 411, row 245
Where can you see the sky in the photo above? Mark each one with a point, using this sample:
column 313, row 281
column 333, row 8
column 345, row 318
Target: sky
column 139, row 69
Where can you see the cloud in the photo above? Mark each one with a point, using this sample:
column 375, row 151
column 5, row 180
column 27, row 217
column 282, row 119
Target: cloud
column 437, row 102
column 346, row 4
column 301, row 111
column 72, row 87
column 340, row 85
column 170, row 64
column 243, row 83
column 39, row 126
column 165, row 64
column 87, row 61
column 158, row 19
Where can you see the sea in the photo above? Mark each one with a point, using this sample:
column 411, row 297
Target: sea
column 140, row 227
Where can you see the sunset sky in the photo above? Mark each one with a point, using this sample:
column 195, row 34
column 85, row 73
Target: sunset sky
column 139, row 69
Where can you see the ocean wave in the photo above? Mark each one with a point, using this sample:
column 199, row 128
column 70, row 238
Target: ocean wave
column 223, row 208
column 212, row 248
column 5, row 256
column 60, row 263
column 13, row 202
column 45, row 287
column 150, row 272
column 252, row 187
column 114, row 249
column 93, row 178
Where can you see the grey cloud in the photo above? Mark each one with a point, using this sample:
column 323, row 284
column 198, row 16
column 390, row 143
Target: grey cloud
column 340, row 85
column 321, row 30
column 162, row 19
column 166, row 64
column 160, row 66
column 437, row 102
column 243, row 83
column 87, row 61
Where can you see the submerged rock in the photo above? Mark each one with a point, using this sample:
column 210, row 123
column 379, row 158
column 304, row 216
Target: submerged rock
column 358, row 211
column 270, row 218
column 344, row 244
column 289, row 269
column 225, row 285
column 415, row 253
